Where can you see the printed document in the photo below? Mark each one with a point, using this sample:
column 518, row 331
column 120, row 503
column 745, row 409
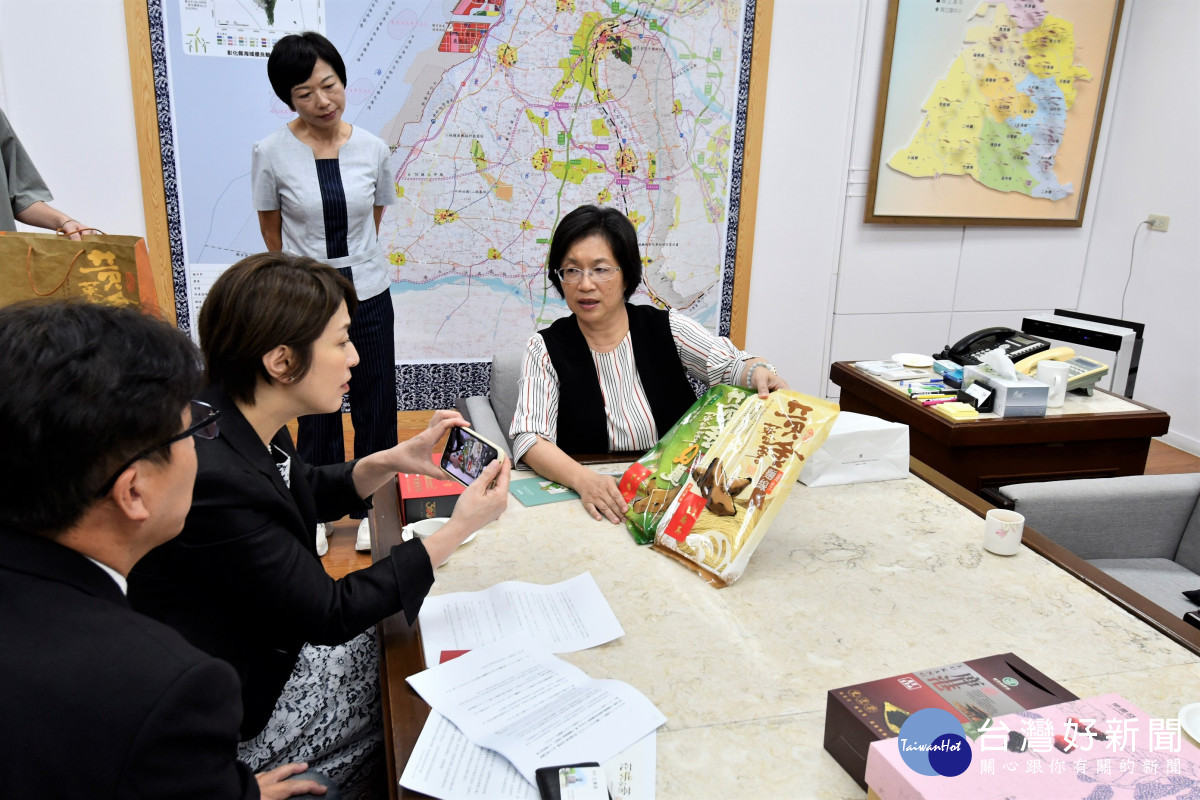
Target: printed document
column 562, row 618
column 446, row 764
column 513, row 697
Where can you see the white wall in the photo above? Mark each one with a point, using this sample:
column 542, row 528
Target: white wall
column 1153, row 167
column 825, row 285
column 64, row 85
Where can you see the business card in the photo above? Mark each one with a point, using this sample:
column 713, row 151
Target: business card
column 582, row 783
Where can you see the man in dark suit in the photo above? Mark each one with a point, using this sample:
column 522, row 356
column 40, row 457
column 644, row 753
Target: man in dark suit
column 96, row 426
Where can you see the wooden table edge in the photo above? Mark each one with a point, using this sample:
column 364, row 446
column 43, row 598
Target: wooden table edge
column 400, row 652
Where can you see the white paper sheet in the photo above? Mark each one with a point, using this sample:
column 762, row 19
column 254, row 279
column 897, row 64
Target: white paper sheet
column 513, row 697
column 630, row 773
column 445, row 764
column 562, row 618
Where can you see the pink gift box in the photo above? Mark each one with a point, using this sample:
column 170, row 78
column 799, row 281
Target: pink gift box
column 1110, row 743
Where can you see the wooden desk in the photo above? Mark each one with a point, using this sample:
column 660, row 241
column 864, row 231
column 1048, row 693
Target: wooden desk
column 852, row 583
column 991, row 451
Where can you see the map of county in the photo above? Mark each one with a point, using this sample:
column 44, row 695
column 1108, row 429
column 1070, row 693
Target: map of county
column 1000, row 112
column 521, row 111
column 502, row 116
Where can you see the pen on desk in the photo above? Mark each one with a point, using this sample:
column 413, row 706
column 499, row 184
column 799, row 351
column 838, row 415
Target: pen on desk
column 938, row 401
column 938, row 396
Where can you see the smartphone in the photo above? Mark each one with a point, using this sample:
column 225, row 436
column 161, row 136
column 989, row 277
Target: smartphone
column 466, row 454
column 572, row 782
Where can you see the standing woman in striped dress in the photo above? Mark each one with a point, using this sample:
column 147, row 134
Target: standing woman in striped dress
column 612, row 376
column 320, row 186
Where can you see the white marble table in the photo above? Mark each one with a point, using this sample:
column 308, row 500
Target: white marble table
column 852, row 583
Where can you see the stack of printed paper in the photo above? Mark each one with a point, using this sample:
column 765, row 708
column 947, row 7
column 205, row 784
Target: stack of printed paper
column 503, row 705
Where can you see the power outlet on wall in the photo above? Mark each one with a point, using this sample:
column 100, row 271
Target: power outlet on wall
column 1159, row 223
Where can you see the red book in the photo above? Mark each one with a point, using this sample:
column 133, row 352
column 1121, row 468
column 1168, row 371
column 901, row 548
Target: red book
column 422, row 497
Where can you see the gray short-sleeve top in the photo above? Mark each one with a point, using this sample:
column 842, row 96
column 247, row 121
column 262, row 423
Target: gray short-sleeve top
column 19, row 179
column 283, row 174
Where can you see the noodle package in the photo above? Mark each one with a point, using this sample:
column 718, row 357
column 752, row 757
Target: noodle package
column 653, row 481
column 736, row 486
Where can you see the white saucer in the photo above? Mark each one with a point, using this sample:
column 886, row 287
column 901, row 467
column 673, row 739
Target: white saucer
column 913, row 359
column 406, row 534
column 427, row 527
column 1189, row 720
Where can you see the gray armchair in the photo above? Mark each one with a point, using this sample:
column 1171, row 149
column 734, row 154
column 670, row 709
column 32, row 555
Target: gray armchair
column 1143, row 530
column 492, row 414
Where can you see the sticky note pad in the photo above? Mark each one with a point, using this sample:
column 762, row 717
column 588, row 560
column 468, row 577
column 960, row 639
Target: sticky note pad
column 956, row 411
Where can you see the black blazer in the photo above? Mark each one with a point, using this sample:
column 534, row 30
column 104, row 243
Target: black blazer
column 243, row 581
column 582, row 418
column 100, row 701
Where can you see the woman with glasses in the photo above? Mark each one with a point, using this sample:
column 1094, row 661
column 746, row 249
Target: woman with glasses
column 612, row 376
column 243, row 581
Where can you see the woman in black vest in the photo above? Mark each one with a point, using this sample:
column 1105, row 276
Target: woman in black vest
column 612, row 376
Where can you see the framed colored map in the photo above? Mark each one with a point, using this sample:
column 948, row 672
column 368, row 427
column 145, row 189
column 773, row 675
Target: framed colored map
column 989, row 110
column 502, row 116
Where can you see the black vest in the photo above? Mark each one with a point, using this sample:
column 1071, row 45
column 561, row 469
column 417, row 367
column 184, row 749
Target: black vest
column 581, row 418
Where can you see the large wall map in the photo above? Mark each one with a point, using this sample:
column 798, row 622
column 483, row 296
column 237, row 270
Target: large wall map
column 503, row 115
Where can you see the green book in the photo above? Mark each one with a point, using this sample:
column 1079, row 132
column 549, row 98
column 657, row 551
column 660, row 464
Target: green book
column 538, row 491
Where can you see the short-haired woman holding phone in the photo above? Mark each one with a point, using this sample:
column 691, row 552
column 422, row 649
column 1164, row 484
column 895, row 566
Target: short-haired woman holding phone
column 243, row 581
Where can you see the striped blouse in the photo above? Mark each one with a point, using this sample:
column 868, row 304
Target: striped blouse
column 707, row 358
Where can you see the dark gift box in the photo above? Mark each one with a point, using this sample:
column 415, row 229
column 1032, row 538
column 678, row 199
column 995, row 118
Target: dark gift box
column 973, row 691
column 422, row 497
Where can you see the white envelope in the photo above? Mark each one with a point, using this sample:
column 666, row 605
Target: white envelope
column 859, row 449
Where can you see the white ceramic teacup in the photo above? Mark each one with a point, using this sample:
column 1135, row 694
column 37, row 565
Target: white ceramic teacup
column 1054, row 374
column 1002, row 531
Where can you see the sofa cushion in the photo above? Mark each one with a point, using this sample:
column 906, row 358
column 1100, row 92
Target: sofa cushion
column 1189, row 545
column 483, row 419
column 1136, row 516
column 506, row 374
column 1159, row 580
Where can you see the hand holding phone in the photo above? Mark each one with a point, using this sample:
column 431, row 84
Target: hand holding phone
column 466, row 454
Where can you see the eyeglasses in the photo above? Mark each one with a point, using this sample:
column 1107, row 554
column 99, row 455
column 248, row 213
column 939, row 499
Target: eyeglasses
column 204, row 425
column 598, row 274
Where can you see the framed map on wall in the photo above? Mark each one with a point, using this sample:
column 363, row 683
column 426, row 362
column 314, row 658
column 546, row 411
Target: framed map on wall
column 989, row 110
column 501, row 116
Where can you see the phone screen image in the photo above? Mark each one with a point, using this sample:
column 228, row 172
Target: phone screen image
column 466, row 455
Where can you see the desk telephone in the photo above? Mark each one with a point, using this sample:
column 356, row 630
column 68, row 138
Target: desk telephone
column 1016, row 344
column 1084, row 373
column 1026, row 351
